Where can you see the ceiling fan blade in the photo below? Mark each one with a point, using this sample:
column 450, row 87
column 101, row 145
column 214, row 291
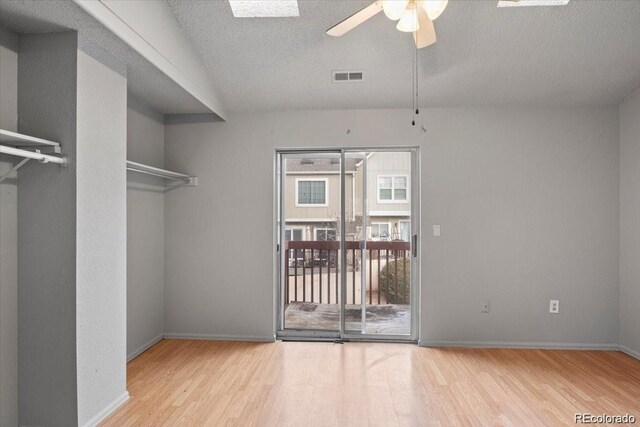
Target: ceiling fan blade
column 426, row 35
column 356, row 19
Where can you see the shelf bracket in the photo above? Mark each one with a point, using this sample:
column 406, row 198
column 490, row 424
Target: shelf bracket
column 13, row 169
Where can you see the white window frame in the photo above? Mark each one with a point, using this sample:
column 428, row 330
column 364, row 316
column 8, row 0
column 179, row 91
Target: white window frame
column 315, row 233
column 393, row 192
column 312, row 205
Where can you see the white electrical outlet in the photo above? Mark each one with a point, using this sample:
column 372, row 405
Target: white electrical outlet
column 436, row 230
column 554, row 306
column 486, row 307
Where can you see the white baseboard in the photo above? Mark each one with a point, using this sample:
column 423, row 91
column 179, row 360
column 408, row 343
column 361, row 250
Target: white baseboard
column 443, row 344
column 217, row 337
column 630, row 352
column 144, row 347
column 102, row 415
column 521, row 344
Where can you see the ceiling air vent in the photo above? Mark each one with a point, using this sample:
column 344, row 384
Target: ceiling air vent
column 347, row 76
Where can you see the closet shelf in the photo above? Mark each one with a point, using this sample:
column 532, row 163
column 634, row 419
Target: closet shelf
column 18, row 140
column 28, row 147
column 162, row 173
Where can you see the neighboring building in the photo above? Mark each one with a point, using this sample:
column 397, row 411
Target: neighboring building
column 388, row 195
column 312, row 199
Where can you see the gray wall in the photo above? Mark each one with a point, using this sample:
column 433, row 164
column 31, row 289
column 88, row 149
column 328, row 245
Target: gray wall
column 528, row 203
column 101, row 233
column 527, row 200
column 72, row 234
column 630, row 223
column 145, row 230
column 47, row 234
column 8, row 236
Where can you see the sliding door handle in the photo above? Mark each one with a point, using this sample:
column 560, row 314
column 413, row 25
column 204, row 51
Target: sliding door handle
column 414, row 245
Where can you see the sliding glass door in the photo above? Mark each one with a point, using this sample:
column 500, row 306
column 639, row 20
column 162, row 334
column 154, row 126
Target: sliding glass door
column 309, row 229
column 346, row 234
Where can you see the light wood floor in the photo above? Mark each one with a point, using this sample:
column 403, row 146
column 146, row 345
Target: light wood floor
column 198, row 383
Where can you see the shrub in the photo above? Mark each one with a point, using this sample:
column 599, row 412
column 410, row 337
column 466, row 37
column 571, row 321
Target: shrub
column 398, row 291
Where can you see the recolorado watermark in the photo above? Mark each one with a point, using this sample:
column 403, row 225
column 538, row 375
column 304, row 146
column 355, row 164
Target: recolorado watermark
column 585, row 418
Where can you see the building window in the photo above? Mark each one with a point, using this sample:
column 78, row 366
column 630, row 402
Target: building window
column 405, row 231
column 325, row 234
column 392, row 188
column 312, row 192
column 379, row 231
column 293, row 234
column 290, row 234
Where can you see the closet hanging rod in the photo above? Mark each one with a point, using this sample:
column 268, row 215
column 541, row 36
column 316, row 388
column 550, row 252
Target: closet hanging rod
column 162, row 173
column 42, row 158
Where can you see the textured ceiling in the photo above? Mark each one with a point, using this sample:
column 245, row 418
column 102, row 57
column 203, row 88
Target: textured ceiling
column 144, row 81
column 585, row 53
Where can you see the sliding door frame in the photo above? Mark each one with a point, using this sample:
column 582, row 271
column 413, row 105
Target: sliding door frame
column 279, row 236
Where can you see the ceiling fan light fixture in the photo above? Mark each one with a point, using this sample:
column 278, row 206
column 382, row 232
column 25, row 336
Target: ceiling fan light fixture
column 409, row 21
column 434, row 8
column 394, row 9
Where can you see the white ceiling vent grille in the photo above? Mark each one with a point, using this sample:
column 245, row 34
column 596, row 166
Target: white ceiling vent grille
column 353, row 76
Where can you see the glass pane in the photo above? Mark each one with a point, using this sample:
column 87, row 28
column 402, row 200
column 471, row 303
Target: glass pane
column 311, row 192
column 385, row 194
column 326, row 234
column 384, row 231
column 317, row 192
column 356, row 231
column 384, row 182
column 388, row 260
column 400, row 194
column 400, row 182
column 311, row 217
column 405, row 231
column 304, row 192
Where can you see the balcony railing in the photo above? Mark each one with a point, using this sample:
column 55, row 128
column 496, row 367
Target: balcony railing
column 312, row 272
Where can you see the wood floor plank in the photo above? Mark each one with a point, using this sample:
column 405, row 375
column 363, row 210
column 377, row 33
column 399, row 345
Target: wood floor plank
column 212, row 383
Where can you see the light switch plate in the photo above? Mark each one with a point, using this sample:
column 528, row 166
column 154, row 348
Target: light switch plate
column 436, row 230
column 486, row 307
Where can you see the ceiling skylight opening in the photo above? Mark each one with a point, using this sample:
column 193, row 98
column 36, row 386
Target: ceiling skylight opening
column 264, row 8
column 527, row 3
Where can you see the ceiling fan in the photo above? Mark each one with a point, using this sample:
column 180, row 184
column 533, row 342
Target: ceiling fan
column 417, row 16
column 413, row 16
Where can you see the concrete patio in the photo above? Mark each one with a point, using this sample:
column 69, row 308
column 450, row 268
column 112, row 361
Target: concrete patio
column 384, row 319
